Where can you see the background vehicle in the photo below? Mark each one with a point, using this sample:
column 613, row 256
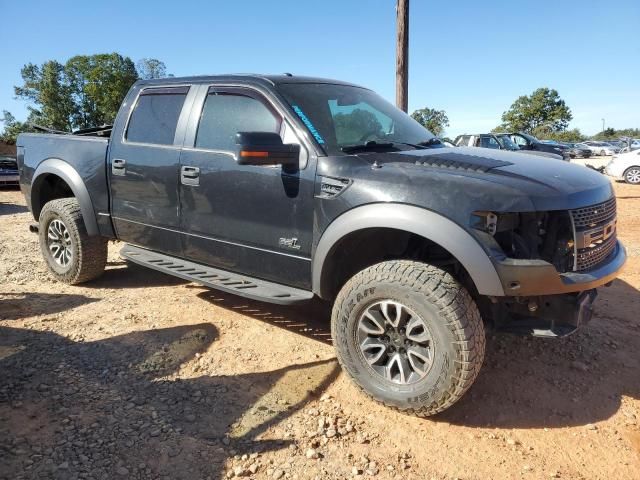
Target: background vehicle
column 489, row 140
column 528, row 142
column 630, row 145
column 8, row 171
column 578, row 150
column 619, row 144
column 282, row 188
column 625, row 166
column 601, row 148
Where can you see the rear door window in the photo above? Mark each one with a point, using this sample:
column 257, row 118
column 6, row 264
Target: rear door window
column 155, row 116
column 226, row 113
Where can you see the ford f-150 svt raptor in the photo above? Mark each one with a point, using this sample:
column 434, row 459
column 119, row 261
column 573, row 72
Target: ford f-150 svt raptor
column 282, row 188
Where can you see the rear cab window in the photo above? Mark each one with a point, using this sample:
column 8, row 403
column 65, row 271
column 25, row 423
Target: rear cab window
column 155, row 116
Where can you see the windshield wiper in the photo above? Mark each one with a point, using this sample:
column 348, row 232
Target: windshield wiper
column 372, row 145
column 366, row 147
column 431, row 141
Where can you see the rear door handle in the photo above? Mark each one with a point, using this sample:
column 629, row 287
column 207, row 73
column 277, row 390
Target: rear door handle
column 118, row 166
column 190, row 176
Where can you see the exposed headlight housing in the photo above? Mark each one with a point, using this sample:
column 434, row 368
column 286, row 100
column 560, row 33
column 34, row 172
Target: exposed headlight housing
column 530, row 235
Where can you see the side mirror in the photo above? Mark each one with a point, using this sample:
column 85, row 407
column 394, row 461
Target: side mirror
column 265, row 148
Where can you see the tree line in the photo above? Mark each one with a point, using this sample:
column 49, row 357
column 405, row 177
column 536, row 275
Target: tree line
column 87, row 91
column 543, row 114
column 84, row 92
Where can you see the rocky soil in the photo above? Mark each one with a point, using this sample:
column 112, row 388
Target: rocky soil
column 143, row 376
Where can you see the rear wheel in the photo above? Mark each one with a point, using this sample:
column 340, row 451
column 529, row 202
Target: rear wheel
column 632, row 175
column 72, row 256
column 603, row 153
column 409, row 335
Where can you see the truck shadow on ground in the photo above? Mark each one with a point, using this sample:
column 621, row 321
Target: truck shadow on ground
column 14, row 306
column 525, row 382
column 11, row 208
column 114, row 406
column 123, row 274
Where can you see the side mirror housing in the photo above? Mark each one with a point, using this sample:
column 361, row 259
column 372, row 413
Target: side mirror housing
column 265, row 148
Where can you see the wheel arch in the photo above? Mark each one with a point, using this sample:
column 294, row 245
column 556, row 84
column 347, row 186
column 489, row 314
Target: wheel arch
column 424, row 223
column 65, row 172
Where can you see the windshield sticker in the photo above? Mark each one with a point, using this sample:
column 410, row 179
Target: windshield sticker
column 308, row 124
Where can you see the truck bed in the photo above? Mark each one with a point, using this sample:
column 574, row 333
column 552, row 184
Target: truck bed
column 85, row 155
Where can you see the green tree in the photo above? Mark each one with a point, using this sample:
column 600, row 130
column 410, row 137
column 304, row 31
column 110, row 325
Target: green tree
column 542, row 109
column 84, row 92
column 613, row 134
column 46, row 87
column 433, row 120
column 12, row 128
column 574, row 135
column 150, row 68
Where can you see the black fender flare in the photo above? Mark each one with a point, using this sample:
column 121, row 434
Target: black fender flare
column 416, row 220
column 60, row 168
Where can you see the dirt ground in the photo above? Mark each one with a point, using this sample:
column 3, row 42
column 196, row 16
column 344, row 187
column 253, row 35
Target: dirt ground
column 140, row 375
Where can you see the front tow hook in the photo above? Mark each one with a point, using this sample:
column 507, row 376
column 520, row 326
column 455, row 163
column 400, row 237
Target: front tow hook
column 33, row 228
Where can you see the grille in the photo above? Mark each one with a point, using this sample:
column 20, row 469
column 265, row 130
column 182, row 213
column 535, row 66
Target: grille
column 589, row 258
column 590, row 224
column 594, row 215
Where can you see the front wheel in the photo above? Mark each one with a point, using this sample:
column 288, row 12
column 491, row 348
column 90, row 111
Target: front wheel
column 632, row 175
column 409, row 335
column 72, row 256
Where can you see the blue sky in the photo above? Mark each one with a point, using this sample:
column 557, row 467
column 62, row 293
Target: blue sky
column 470, row 58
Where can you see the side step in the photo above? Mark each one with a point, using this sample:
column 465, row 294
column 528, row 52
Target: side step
column 219, row 279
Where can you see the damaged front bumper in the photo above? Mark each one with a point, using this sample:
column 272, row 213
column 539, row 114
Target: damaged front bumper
column 546, row 316
column 525, row 278
column 540, row 301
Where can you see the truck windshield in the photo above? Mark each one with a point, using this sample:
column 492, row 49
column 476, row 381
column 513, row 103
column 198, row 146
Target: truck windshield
column 340, row 117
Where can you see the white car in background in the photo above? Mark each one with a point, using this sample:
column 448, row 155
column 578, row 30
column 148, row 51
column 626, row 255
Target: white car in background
column 601, row 148
column 625, row 166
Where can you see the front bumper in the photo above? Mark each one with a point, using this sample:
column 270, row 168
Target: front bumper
column 553, row 315
column 525, row 278
column 10, row 179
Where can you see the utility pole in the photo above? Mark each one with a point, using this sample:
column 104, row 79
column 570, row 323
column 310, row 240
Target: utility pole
column 402, row 54
column 603, row 125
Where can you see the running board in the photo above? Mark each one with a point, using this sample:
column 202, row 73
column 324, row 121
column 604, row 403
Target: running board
column 219, row 279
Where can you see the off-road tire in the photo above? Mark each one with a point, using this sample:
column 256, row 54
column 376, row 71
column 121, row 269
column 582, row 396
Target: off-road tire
column 89, row 253
column 453, row 320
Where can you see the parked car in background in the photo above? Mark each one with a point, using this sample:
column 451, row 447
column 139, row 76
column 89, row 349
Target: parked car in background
column 8, row 171
column 578, row 150
column 524, row 141
column 630, row 145
column 625, row 166
column 601, row 148
column 616, row 143
column 489, row 140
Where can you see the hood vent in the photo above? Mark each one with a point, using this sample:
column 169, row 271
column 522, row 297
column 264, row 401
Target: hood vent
column 332, row 187
column 459, row 161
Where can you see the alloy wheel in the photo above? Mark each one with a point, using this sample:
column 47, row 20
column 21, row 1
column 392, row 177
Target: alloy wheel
column 395, row 342
column 633, row 175
column 59, row 243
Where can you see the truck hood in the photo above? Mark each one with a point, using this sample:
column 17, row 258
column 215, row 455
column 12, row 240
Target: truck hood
column 549, row 184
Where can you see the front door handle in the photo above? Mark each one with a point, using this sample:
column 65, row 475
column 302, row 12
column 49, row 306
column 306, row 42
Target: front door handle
column 118, row 166
column 190, row 176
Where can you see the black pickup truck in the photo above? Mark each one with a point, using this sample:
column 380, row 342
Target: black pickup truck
column 283, row 188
